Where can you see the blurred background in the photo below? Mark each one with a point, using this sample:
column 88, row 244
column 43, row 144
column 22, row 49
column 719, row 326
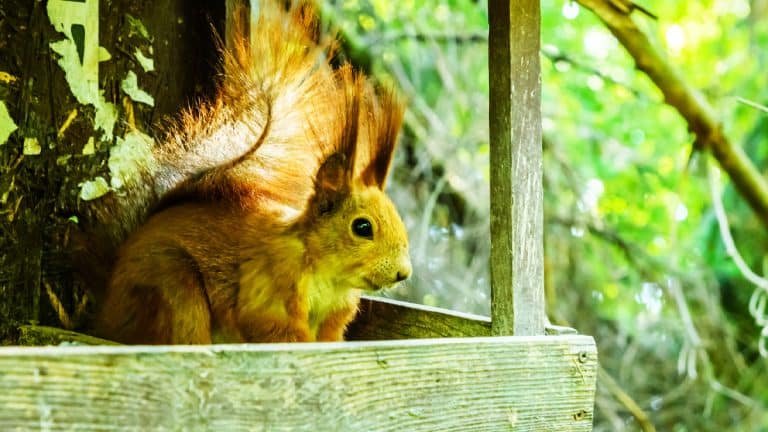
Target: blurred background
column 634, row 253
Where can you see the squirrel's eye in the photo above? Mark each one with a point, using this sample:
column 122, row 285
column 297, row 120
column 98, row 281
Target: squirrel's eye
column 362, row 227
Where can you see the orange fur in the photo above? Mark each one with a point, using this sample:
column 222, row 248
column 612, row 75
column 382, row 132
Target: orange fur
column 272, row 217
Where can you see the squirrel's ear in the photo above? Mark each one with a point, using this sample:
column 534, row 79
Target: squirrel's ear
column 386, row 125
column 332, row 183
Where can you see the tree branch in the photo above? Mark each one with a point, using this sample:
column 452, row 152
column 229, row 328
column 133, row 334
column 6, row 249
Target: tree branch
column 690, row 103
column 606, row 380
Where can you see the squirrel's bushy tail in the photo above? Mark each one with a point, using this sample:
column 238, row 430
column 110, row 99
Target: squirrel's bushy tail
column 272, row 122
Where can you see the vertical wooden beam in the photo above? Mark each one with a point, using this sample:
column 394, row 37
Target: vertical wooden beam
column 517, row 257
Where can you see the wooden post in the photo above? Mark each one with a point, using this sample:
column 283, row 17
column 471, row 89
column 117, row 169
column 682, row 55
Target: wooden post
column 517, row 257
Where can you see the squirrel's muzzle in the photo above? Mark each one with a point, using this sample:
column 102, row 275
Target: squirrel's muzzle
column 404, row 269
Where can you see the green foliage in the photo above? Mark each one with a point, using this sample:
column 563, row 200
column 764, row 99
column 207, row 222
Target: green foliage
column 634, row 254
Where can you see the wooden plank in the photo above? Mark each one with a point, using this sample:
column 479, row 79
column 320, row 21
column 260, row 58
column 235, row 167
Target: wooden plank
column 503, row 383
column 517, row 256
column 382, row 319
column 378, row 319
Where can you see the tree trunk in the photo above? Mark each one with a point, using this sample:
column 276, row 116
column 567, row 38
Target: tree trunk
column 53, row 70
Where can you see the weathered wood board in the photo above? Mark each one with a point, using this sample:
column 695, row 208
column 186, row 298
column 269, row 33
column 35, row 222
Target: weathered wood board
column 378, row 319
column 382, row 319
column 483, row 384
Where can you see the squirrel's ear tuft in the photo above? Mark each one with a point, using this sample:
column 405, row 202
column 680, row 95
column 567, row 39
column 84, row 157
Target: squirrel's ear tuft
column 334, row 178
column 388, row 113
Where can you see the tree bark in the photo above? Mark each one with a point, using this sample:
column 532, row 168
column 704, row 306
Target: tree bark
column 57, row 145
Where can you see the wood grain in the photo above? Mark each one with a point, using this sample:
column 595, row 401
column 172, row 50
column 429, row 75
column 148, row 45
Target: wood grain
column 517, row 219
column 378, row 319
column 382, row 319
column 503, row 383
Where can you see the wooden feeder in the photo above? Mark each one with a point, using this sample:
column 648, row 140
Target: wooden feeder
column 406, row 368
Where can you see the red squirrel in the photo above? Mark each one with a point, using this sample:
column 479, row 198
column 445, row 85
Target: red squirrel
column 271, row 216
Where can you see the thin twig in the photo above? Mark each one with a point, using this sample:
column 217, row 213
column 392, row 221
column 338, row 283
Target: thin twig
column 459, row 38
column 725, row 234
column 731, row 393
column 755, row 105
column 625, row 399
column 555, row 55
column 426, row 218
column 688, row 354
column 759, row 282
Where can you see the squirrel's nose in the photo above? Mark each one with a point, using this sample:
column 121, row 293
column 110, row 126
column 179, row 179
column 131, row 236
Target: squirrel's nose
column 404, row 272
